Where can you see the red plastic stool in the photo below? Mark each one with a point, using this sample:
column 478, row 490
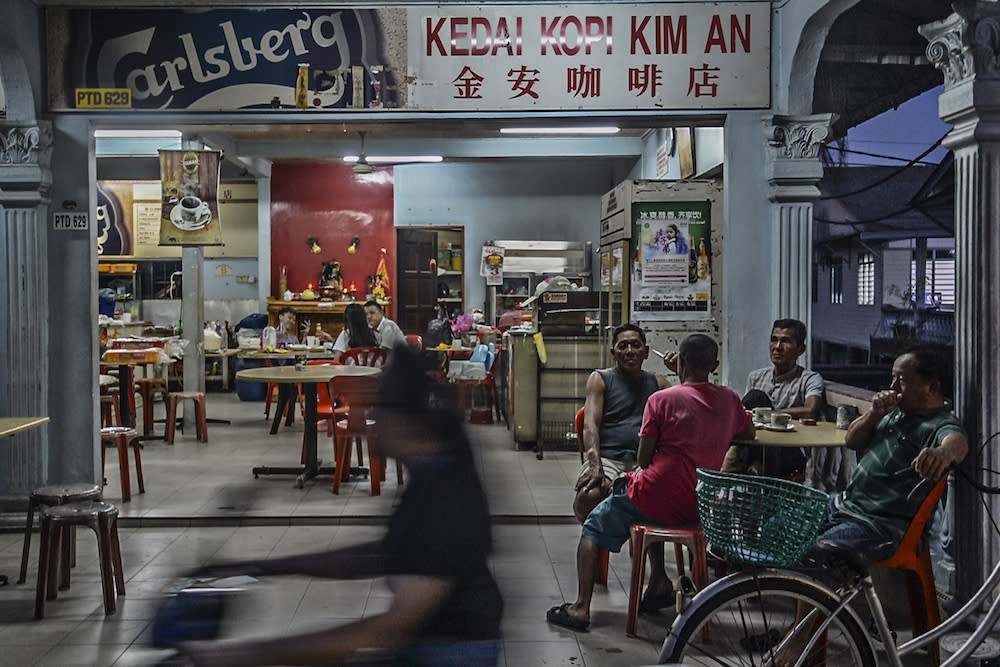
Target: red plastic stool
column 50, row 496
column 110, row 402
column 201, row 428
column 99, row 516
column 123, row 437
column 147, row 387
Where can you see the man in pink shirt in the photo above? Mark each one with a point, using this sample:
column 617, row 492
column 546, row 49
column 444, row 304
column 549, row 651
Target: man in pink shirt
column 684, row 427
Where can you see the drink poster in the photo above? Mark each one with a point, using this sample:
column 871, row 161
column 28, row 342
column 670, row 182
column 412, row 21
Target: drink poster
column 671, row 261
column 189, row 213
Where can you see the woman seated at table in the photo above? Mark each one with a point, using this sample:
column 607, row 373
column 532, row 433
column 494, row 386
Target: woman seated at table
column 356, row 331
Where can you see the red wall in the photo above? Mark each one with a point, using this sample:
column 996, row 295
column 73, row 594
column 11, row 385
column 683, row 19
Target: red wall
column 333, row 204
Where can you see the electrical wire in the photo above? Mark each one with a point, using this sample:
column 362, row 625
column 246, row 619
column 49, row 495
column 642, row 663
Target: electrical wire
column 888, row 177
column 884, row 157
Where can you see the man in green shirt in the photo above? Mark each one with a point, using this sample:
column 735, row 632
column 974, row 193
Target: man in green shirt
column 908, row 436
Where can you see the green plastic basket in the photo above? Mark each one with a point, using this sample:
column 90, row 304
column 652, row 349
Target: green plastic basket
column 760, row 520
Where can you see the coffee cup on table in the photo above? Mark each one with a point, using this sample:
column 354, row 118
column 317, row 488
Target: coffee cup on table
column 191, row 207
column 762, row 415
column 311, row 341
column 780, row 419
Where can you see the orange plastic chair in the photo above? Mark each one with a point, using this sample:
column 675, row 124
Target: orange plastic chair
column 643, row 536
column 358, row 393
column 916, row 563
column 325, row 410
column 415, row 342
column 365, row 356
column 489, row 386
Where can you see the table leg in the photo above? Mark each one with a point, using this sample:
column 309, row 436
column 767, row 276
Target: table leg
column 225, row 372
column 124, row 393
column 310, row 394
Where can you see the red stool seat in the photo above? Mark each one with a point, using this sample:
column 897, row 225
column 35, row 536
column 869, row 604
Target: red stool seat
column 147, row 387
column 201, row 427
column 53, row 559
column 123, row 437
column 50, row 496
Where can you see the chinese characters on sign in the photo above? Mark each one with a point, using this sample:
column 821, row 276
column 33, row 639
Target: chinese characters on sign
column 669, row 56
column 671, row 261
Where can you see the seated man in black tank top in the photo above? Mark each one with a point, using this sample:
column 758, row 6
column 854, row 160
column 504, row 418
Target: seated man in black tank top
column 616, row 398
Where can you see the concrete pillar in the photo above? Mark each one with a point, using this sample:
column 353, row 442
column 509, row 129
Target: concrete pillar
column 966, row 47
column 793, row 170
column 25, row 152
column 193, row 317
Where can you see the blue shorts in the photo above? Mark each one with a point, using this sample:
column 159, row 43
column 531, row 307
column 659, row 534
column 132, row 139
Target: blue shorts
column 608, row 524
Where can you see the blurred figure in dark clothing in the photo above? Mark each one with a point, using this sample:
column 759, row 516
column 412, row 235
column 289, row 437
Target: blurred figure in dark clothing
column 446, row 606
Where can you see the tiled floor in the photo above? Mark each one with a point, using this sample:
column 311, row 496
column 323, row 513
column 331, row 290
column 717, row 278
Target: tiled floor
column 202, row 503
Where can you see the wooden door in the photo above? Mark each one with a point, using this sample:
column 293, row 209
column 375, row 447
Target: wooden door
column 417, row 294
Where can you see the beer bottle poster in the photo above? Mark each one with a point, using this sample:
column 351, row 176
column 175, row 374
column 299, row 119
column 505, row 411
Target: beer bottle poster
column 671, row 267
column 189, row 183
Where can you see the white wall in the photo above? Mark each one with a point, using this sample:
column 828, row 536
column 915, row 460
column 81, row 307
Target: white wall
column 508, row 199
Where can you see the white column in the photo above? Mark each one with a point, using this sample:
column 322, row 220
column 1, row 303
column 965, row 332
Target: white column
column 193, row 317
column 24, row 183
column 793, row 170
column 966, row 48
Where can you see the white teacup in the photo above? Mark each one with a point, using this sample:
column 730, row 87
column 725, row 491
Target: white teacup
column 780, row 419
column 762, row 415
column 191, row 207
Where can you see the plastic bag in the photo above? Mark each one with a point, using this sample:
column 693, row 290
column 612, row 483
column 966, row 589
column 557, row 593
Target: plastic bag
column 438, row 330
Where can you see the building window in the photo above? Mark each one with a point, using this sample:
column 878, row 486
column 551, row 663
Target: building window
column 837, row 283
column 866, row 279
column 940, row 288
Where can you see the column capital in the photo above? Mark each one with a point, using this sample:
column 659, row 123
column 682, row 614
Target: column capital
column 25, row 159
column 792, row 165
column 966, row 44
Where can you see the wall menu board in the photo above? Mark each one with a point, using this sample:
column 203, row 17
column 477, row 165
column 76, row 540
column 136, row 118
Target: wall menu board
column 672, row 260
column 128, row 220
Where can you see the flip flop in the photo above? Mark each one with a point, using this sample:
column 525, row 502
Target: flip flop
column 650, row 604
column 559, row 615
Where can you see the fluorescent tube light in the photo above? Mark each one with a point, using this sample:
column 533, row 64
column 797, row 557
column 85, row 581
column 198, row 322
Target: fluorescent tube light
column 561, row 130
column 136, row 134
column 402, row 159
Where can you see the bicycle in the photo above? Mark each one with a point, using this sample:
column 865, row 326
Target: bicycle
column 769, row 615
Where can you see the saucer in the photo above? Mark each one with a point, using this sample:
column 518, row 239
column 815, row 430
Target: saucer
column 200, row 222
column 772, row 427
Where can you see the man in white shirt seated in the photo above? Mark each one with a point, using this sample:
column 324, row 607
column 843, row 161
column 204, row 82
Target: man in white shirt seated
column 387, row 333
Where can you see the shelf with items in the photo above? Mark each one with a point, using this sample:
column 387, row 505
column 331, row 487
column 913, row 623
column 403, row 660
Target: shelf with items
column 450, row 275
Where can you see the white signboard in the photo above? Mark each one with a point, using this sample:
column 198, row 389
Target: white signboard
column 67, row 220
column 548, row 57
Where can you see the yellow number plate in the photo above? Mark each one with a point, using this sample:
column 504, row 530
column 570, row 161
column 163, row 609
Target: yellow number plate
column 103, row 98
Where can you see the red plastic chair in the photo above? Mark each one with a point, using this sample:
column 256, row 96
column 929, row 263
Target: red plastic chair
column 358, row 393
column 365, row 356
column 325, row 410
column 916, row 563
column 643, row 536
column 415, row 342
column 489, row 387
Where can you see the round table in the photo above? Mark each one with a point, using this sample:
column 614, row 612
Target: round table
column 308, row 377
column 823, row 434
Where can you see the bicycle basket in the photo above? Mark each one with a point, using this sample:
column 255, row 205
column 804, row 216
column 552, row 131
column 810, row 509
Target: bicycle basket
column 760, row 520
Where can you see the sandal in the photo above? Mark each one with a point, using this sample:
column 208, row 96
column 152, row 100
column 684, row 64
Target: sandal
column 651, row 604
column 559, row 615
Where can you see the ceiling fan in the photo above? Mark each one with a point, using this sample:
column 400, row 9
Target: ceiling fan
column 363, row 164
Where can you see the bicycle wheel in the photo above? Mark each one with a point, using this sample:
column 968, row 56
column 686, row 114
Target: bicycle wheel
column 752, row 620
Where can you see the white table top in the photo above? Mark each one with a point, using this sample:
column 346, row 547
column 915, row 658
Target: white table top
column 294, row 374
column 823, row 434
column 11, row 425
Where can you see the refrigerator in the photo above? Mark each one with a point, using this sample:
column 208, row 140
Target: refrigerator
column 528, row 263
column 660, row 261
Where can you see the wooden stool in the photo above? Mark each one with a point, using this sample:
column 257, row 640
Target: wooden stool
column 122, row 437
column 147, row 387
column 201, row 428
column 50, row 496
column 53, row 568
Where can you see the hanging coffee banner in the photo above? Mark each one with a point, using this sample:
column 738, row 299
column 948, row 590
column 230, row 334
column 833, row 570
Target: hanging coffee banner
column 190, row 210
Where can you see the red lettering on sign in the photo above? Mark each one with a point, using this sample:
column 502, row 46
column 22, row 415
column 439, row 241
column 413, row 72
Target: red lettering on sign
column 737, row 32
column 434, row 37
column 548, row 37
column 458, row 24
column 667, row 37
